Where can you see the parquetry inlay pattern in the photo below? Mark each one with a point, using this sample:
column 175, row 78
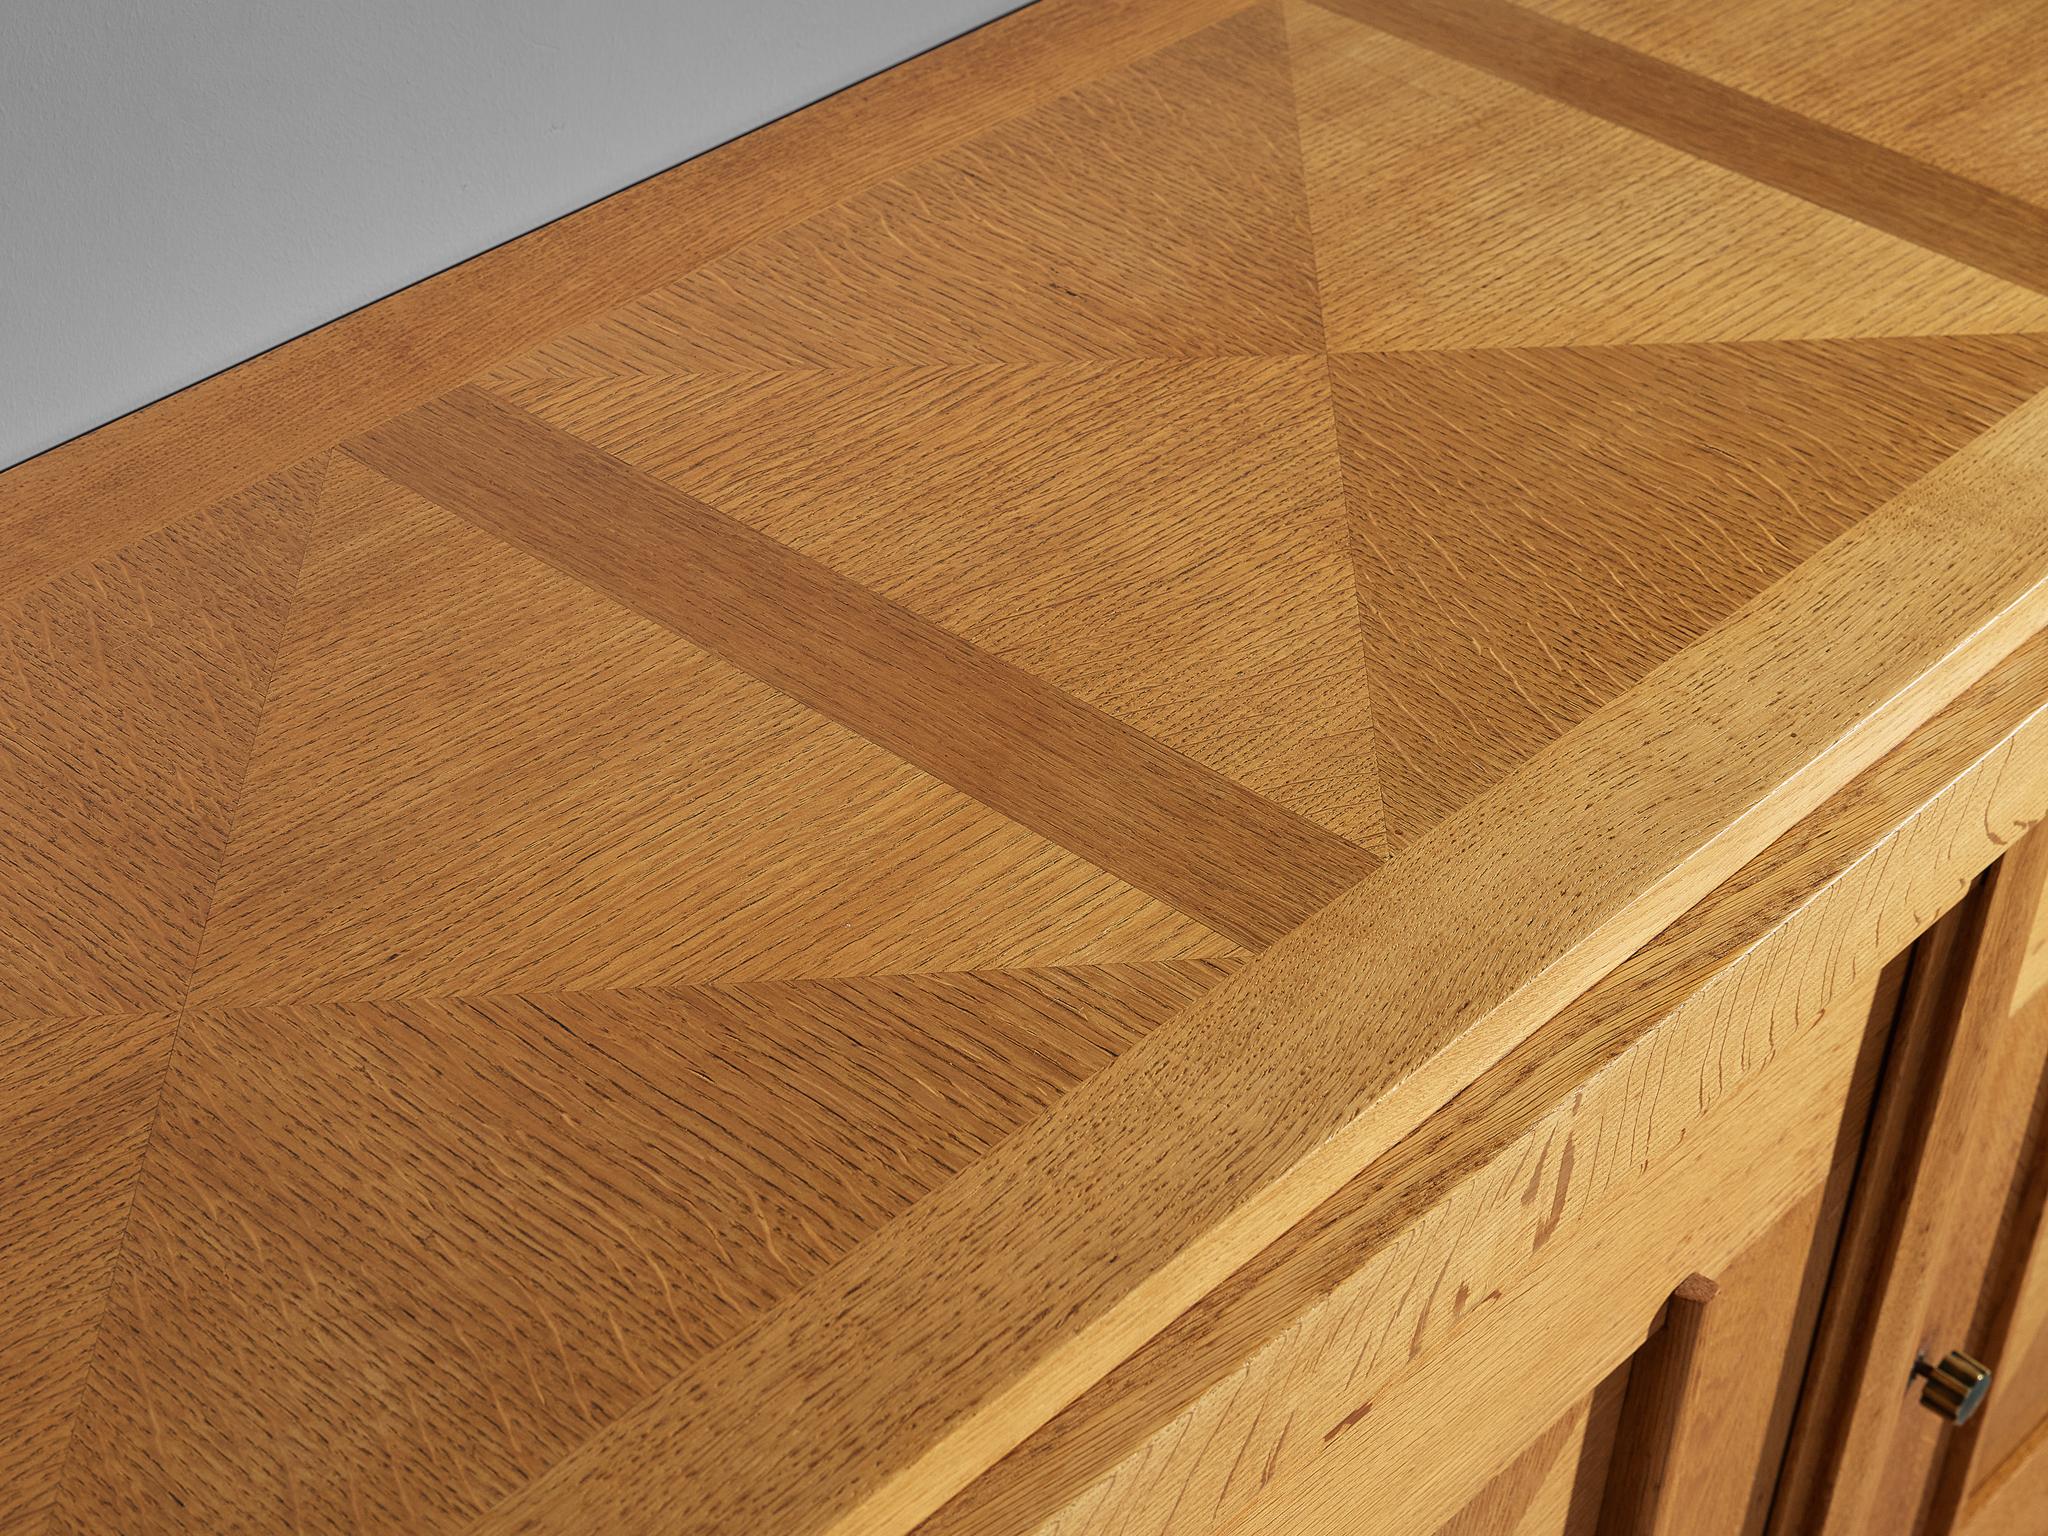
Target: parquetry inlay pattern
column 570, row 1196
column 1157, row 213
column 1455, row 210
column 1864, row 66
column 477, row 775
column 1663, row 485
column 523, row 985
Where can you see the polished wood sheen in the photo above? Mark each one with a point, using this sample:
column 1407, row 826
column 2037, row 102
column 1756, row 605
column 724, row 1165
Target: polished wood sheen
column 1552, row 1488
column 1312, row 1326
column 1666, row 1404
column 1109, row 793
column 985, row 812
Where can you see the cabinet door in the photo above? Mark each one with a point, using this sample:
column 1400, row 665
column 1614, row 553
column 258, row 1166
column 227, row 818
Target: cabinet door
column 1711, row 1395
column 1996, row 1477
column 1778, row 1392
column 1502, row 1429
column 1942, row 1213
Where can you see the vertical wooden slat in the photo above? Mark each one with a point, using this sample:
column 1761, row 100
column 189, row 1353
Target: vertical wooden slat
column 1927, row 1210
column 2017, row 1339
column 1995, row 1290
column 1664, row 1400
column 1712, row 1394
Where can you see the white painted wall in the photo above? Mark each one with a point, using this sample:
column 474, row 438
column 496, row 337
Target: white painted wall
column 184, row 183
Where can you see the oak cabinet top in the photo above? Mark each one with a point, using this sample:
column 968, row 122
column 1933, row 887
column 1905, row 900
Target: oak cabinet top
column 691, row 869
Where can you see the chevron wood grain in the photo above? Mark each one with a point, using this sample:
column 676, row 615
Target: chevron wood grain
column 1456, row 208
column 514, row 1164
column 689, row 877
column 81, row 1098
column 132, row 694
column 1865, row 69
column 1757, row 137
column 1647, row 491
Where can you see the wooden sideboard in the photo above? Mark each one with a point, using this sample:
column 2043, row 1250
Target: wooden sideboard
column 1202, row 770
column 1670, row 1265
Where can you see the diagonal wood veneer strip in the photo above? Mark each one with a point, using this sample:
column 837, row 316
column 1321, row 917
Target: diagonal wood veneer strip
column 1087, row 1232
column 1931, row 207
column 191, row 449
column 1171, row 827
column 1903, row 835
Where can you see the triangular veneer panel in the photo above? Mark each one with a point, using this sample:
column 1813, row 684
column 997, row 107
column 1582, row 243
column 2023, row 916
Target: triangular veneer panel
column 1537, row 530
column 477, row 774
column 1452, row 209
column 1155, row 213
column 389, row 1261
column 80, row 1097
column 129, row 693
column 1165, row 541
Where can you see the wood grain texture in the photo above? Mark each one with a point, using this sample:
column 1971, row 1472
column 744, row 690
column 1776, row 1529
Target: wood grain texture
column 1553, row 1487
column 1587, row 1303
column 1927, row 1208
column 131, row 692
column 1955, row 85
column 1456, row 1208
column 1668, row 1379
column 1335, row 1046
column 1724, row 1461
column 1245, row 867
column 707, row 871
column 129, row 695
column 478, row 776
column 1645, row 492
column 1454, row 208
column 567, row 1197
column 1755, row 138
column 80, row 1097
column 1996, row 1183
column 1165, row 541
column 2011, row 1503
column 2033, row 977
column 2015, row 1323
column 1834, row 1460
column 186, row 452
column 1707, row 1417
column 1156, row 212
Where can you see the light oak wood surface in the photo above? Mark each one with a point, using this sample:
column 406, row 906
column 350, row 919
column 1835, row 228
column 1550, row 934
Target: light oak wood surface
column 1865, row 67
column 1666, row 1407
column 1325, row 1316
column 1552, row 1336
column 2010, row 1504
column 1719, row 1464
column 182, row 455
column 1994, row 1204
column 692, row 875
column 1928, row 1209
column 1761, row 137
column 1553, row 1487
column 2015, row 1327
